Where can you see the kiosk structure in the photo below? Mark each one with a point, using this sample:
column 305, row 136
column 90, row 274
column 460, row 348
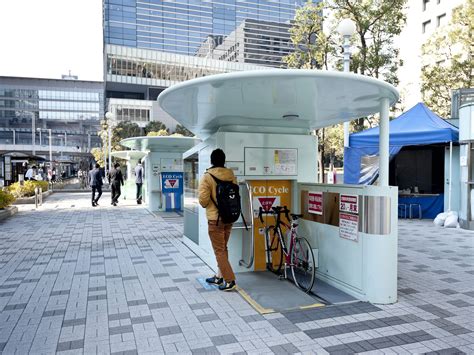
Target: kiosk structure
column 163, row 166
column 263, row 122
column 131, row 157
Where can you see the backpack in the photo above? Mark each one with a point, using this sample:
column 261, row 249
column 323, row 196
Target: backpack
column 227, row 201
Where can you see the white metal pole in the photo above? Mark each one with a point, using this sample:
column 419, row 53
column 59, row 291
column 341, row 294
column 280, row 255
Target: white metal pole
column 40, row 136
column 347, row 62
column 384, row 144
column 50, row 151
column 110, row 146
column 33, row 135
column 65, row 139
column 14, row 137
column 450, row 174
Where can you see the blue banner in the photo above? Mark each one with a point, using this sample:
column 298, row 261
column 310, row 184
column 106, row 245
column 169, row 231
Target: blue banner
column 172, row 189
column 172, row 183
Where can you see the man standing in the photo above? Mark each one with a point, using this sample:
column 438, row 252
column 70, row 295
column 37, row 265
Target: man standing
column 116, row 180
column 139, row 181
column 219, row 232
column 95, row 181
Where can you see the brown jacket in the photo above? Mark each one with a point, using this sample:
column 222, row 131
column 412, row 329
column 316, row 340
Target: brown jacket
column 207, row 186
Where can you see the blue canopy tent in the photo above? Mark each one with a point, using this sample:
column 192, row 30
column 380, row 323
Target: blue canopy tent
column 415, row 127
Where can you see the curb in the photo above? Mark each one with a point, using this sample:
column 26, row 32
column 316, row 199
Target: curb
column 8, row 212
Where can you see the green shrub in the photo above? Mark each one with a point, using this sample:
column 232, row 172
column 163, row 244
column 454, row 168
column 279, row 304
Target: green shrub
column 6, row 199
column 27, row 189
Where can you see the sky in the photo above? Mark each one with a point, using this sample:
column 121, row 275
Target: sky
column 47, row 38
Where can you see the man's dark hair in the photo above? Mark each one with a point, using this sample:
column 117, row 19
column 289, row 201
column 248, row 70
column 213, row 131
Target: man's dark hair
column 97, row 166
column 218, row 158
column 116, row 165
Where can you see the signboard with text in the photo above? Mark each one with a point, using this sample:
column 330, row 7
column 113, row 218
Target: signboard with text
column 349, row 226
column 172, row 182
column 349, row 203
column 315, row 202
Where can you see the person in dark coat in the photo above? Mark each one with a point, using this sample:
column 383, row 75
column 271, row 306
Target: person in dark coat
column 95, row 181
column 116, row 181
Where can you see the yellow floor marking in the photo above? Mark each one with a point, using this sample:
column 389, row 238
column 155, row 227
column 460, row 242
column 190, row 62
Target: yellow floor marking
column 253, row 303
column 314, row 305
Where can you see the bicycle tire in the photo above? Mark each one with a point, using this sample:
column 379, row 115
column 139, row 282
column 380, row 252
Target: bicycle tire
column 274, row 253
column 303, row 268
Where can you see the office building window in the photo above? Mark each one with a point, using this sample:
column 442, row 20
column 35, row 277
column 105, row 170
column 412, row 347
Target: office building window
column 441, row 20
column 426, row 26
column 425, row 4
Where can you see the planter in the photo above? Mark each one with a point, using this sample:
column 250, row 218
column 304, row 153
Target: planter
column 7, row 212
column 30, row 200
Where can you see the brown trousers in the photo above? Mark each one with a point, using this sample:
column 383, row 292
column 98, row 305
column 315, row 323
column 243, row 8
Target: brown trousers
column 219, row 235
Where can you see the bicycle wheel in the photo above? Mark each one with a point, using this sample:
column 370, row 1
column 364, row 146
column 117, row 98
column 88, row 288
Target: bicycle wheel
column 273, row 250
column 302, row 264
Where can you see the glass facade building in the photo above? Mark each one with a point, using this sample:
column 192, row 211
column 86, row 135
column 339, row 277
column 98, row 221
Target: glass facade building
column 150, row 45
column 30, row 107
column 183, row 26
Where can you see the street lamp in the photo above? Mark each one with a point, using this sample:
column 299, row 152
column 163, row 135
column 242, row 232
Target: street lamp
column 109, row 116
column 346, row 29
column 39, row 130
column 50, row 152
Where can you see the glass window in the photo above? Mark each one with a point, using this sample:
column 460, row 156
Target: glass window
column 426, row 26
column 441, row 20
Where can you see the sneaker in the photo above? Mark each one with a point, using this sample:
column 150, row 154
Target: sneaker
column 215, row 280
column 228, row 286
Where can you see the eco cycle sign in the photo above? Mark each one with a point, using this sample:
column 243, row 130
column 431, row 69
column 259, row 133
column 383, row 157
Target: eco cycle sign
column 172, row 182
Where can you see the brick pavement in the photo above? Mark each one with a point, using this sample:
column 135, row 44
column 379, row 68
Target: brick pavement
column 78, row 280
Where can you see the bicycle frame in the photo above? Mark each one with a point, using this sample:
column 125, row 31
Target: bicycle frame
column 293, row 234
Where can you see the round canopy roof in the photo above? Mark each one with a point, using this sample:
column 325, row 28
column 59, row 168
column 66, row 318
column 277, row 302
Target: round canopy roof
column 128, row 154
column 292, row 98
column 160, row 143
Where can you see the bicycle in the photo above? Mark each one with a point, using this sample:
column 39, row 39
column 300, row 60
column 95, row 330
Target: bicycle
column 299, row 257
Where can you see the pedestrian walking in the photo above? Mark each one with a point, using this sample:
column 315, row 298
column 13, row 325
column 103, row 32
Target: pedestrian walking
column 219, row 229
column 139, row 181
column 95, row 181
column 116, row 181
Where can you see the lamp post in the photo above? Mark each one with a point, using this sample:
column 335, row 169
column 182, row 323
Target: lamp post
column 346, row 28
column 50, row 151
column 39, row 130
column 109, row 116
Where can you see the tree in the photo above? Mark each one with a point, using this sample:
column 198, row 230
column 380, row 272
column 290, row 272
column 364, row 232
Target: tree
column 161, row 132
column 312, row 47
column 378, row 23
column 98, row 155
column 154, row 126
column 124, row 130
column 448, row 60
column 183, row 131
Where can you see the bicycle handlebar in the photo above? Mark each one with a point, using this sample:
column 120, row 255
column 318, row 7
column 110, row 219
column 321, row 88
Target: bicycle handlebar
column 278, row 210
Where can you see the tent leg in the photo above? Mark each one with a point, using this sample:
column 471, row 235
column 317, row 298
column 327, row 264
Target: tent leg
column 384, row 142
column 450, row 174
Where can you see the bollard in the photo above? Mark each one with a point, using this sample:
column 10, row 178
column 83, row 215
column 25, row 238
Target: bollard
column 36, row 196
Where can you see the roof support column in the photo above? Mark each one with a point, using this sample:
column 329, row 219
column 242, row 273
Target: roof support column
column 384, row 142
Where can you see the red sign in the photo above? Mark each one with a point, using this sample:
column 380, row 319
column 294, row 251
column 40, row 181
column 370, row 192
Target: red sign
column 172, row 182
column 267, row 202
column 349, row 203
column 315, row 202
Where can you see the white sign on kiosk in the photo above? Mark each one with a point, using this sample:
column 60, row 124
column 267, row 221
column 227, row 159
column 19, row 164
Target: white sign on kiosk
column 349, row 203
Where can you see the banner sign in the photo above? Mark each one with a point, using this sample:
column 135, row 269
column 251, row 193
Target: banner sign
column 349, row 226
column 349, row 203
column 315, row 202
column 172, row 183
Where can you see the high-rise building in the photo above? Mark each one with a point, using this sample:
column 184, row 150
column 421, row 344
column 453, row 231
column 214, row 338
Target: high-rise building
column 150, row 45
column 423, row 18
column 31, row 109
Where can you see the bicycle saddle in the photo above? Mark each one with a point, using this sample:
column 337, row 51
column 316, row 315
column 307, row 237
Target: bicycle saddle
column 295, row 216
